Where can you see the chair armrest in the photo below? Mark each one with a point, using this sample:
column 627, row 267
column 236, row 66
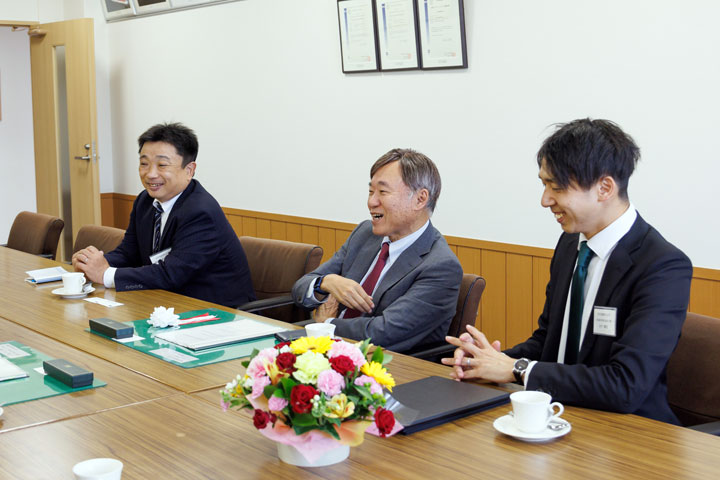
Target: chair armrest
column 266, row 303
column 713, row 428
column 433, row 353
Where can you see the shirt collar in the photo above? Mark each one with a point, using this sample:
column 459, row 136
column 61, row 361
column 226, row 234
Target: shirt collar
column 603, row 242
column 403, row 243
column 167, row 206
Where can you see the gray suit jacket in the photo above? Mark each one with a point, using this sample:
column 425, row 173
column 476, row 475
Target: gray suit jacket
column 416, row 299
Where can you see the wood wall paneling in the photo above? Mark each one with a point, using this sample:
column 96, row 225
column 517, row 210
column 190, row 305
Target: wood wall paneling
column 516, row 275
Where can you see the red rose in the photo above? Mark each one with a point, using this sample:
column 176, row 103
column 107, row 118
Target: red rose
column 301, row 398
column 342, row 364
column 385, row 421
column 286, row 362
column 261, row 419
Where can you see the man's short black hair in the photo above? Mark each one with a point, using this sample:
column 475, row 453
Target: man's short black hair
column 585, row 150
column 177, row 135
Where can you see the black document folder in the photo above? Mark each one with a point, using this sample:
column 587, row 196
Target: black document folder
column 440, row 400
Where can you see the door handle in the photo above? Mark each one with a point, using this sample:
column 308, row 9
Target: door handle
column 84, row 157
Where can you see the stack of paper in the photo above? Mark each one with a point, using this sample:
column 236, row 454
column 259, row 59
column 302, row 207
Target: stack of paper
column 199, row 338
column 52, row 274
column 10, row 371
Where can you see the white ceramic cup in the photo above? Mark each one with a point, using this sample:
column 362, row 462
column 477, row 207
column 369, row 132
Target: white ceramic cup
column 73, row 282
column 98, row 469
column 533, row 411
column 320, row 330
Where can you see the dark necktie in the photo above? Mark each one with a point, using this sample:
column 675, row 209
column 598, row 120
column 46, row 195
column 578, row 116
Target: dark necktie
column 577, row 300
column 371, row 280
column 156, row 226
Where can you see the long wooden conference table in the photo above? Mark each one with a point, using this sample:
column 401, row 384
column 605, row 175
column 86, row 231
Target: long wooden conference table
column 164, row 421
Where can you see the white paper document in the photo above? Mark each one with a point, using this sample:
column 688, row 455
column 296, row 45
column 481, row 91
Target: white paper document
column 170, row 354
column 103, row 301
column 208, row 336
column 11, row 351
column 43, row 275
column 10, row 371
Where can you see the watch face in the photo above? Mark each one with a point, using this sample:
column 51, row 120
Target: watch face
column 521, row 364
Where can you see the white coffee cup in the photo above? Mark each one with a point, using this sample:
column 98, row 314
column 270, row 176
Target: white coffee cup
column 98, row 469
column 73, row 282
column 533, row 411
column 320, row 330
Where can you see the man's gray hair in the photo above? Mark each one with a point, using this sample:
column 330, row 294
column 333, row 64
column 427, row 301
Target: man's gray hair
column 417, row 171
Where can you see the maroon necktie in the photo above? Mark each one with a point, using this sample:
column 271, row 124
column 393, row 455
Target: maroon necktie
column 371, row 280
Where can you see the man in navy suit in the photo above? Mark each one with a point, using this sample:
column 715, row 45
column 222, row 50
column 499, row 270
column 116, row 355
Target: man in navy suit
column 395, row 280
column 178, row 238
column 618, row 291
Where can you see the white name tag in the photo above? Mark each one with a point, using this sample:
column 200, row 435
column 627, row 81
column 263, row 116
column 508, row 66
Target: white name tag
column 160, row 255
column 605, row 321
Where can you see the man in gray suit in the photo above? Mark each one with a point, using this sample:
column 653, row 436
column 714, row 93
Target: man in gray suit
column 395, row 280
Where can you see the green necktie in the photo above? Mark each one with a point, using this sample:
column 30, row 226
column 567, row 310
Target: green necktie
column 577, row 299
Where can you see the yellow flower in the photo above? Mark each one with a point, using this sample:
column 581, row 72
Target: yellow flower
column 339, row 407
column 315, row 344
column 274, row 372
column 379, row 373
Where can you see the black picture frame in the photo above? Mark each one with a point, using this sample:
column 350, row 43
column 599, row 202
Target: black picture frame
column 357, row 25
column 411, row 40
column 452, row 36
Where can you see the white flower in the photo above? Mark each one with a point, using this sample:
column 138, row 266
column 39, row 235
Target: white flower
column 164, row 317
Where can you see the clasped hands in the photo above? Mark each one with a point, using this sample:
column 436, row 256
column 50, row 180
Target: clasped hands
column 476, row 358
column 342, row 290
column 91, row 262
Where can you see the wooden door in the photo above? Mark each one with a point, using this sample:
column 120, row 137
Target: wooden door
column 62, row 59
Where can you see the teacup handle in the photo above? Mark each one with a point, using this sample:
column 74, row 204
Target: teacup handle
column 551, row 409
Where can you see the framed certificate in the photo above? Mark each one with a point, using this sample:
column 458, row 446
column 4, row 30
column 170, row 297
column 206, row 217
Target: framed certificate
column 397, row 34
column 442, row 33
column 358, row 47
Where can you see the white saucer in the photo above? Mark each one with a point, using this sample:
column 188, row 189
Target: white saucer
column 1, row 411
column 61, row 291
column 506, row 425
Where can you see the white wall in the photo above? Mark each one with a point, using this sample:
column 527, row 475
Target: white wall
column 17, row 157
column 261, row 83
column 283, row 130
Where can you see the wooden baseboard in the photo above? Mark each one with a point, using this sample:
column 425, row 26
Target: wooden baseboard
column 516, row 275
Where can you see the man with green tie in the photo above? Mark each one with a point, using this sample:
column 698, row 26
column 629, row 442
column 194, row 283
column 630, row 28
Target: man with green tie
column 618, row 291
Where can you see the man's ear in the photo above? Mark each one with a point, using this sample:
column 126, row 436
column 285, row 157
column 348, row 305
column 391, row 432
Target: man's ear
column 421, row 199
column 607, row 188
column 190, row 167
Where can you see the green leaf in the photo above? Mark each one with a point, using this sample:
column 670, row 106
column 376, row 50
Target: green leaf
column 270, row 390
column 304, row 420
column 387, row 358
column 377, row 356
column 287, row 384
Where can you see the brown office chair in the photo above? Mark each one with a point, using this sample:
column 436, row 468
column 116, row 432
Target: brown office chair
column 693, row 390
column 103, row 238
column 471, row 289
column 275, row 265
column 35, row 233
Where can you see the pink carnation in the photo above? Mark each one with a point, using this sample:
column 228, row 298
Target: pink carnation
column 374, row 386
column 330, row 382
column 275, row 404
column 257, row 365
column 259, row 385
column 349, row 350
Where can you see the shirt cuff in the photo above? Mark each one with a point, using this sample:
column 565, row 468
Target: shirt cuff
column 311, row 292
column 109, row 277
column 526, row 377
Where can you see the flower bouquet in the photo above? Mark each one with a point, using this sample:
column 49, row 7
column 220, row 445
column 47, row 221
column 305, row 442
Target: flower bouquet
column 315, row 394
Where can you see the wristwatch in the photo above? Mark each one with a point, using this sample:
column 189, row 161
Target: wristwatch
column 519, row 369
column 317, row 288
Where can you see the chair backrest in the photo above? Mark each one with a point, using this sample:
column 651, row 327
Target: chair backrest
column 471, row 289
column 103, row 238
column 275, row 266
column 35, row 233
column 693, row 390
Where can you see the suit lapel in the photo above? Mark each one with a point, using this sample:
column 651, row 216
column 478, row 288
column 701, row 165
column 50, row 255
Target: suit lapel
column 619, row 263
column 406, row 262
column 565, row 255
column 176, row 212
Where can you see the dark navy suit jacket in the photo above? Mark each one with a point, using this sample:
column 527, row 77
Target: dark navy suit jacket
column 648, row 280
column 206, row 261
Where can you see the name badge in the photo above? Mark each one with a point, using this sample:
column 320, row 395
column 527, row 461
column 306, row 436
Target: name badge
column 605, row 321
column 160, row 255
